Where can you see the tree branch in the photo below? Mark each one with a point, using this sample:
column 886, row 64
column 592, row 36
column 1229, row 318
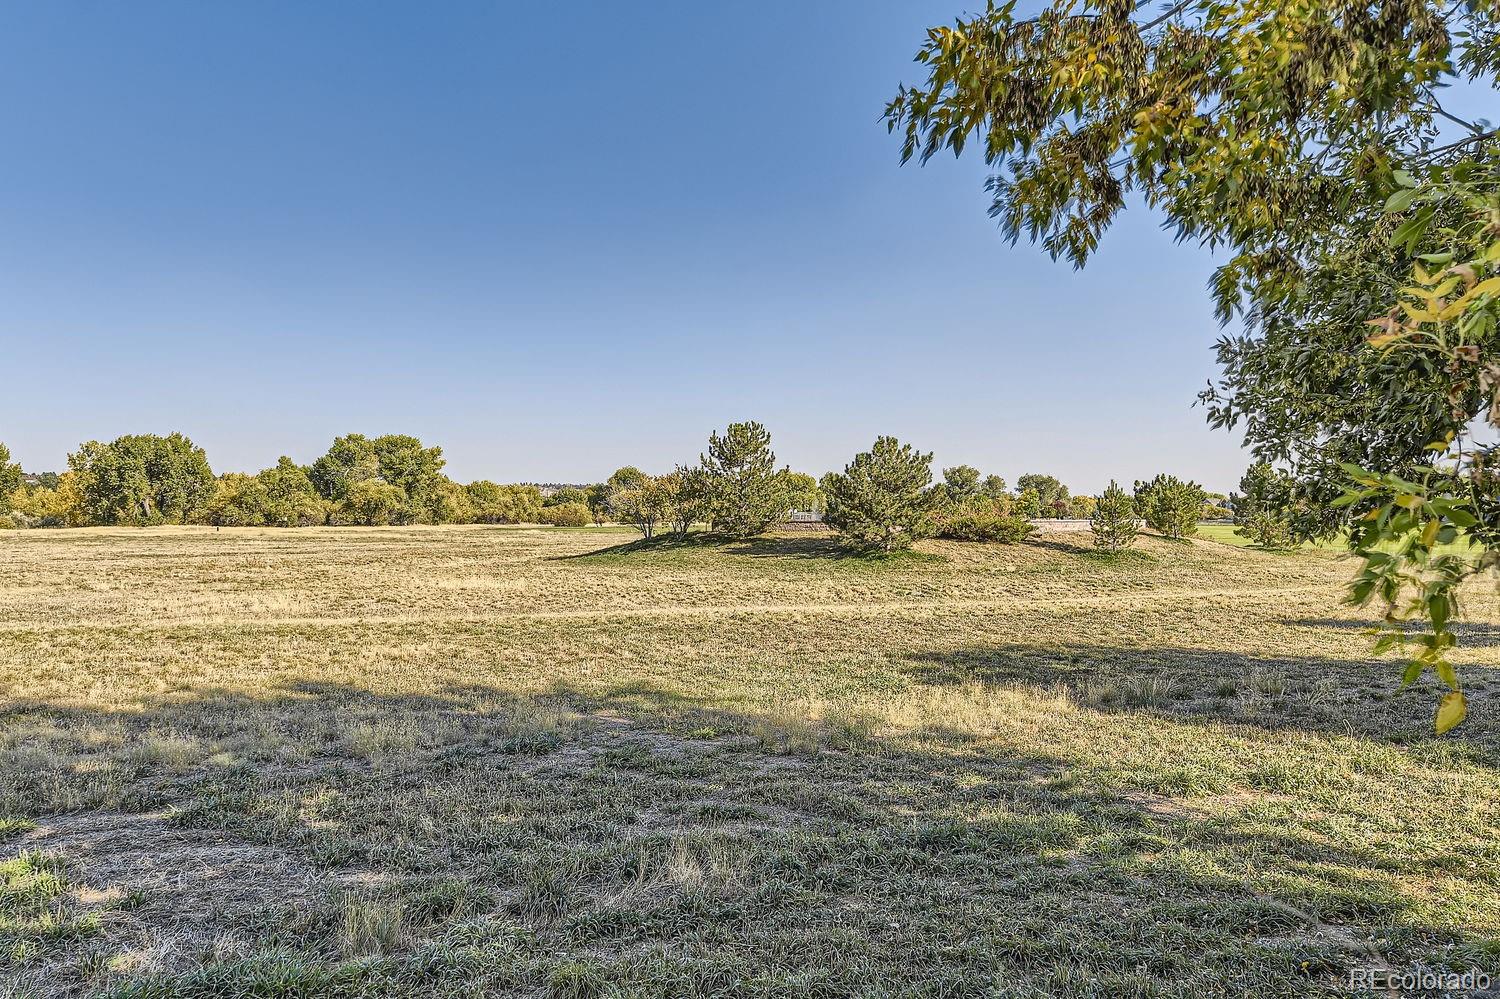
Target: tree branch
column 1170, row 13
column 1436, row 106
column 1478, row 137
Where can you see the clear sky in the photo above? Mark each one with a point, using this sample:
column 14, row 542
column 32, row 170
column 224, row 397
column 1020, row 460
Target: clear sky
column 554, row 239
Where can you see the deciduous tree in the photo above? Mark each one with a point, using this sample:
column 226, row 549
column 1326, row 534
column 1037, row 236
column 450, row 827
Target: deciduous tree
column 350, row 459
column 1310, row 145
column 496, row 504
column 372, row 503
column 57, row 505
column 598, row 502
column 801, row 491
column 291, row 498
column 143, row 479
column 685, row 498
column 451, row 504
column 417, row 470
column 1081, row 507
column 10, row 477
column 567, row 494
column 636, row 499
column 239, row 500
column 1048, row 490
column 567, row 515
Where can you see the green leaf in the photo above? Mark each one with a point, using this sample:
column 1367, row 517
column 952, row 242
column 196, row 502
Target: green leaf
column 1412, row 230
column 1437, row 612
column 1446, row 672
column 1401, row 200
column 1413, row 671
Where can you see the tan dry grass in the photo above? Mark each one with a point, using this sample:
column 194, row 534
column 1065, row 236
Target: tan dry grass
column 718, row 750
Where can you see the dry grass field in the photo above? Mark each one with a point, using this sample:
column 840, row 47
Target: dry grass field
column 489, row 762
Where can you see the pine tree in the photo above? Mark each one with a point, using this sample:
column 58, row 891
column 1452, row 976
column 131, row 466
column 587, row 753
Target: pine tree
column 880, row 499
column 1113, row 523
column 1170, row 505
column 1263, row 508
column 745, row 493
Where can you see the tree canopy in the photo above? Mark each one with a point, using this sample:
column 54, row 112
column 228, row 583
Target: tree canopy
column 143, row 479
column 1253, row 125
column 1276, row 133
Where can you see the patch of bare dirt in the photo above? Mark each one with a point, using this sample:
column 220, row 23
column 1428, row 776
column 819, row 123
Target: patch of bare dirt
column 165, row 899
column 1157, row 806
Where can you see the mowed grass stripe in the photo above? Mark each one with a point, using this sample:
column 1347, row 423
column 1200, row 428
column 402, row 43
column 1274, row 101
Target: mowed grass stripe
column 1010, row 603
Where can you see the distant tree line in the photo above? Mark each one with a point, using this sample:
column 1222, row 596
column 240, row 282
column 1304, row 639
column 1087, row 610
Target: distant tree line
column 884, row 499
column 146, row 479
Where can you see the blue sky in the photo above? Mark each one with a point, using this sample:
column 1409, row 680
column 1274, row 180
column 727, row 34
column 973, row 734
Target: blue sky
column 553, row 239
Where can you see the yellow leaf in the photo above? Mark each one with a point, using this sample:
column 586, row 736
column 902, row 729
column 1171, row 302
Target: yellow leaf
column 1429, row 534
column 1452, row 709
column 1459, row 304
column 1417, row 315
column 1446, row 288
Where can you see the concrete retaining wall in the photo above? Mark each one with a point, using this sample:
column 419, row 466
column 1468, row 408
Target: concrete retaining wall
column 1060, row 525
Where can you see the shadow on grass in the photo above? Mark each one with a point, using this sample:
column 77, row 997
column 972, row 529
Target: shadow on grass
column 786, row 547
column 594, row 823
column 1470, row 633
column 1306, row 693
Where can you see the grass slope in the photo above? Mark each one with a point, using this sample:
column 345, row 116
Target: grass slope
column 487, row 761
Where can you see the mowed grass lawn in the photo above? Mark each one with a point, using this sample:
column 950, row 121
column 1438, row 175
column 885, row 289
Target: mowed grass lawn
column 492, row 761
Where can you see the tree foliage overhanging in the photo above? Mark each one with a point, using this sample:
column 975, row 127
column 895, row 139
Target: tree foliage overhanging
column 1253, row 125
column 1271, row 131
column 1309, row 143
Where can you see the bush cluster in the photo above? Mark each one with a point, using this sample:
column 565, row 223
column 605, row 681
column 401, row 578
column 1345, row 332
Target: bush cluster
column 985, row 525
column 566, row 515
column 735, row 489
